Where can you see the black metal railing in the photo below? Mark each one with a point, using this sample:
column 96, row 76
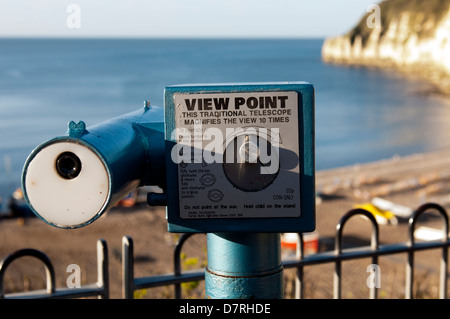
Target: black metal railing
column 299, row 262
column 99, row 289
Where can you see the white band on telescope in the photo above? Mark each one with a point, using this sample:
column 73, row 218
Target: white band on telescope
column 67, row 202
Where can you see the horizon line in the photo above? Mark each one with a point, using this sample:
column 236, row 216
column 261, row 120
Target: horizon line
column 103, row 37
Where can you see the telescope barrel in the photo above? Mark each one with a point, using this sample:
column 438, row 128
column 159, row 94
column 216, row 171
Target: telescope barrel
column 69, row 181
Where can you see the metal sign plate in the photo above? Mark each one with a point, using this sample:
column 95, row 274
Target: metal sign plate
column 240, row 157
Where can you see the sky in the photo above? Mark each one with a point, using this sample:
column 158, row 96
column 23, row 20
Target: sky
column 179, row 18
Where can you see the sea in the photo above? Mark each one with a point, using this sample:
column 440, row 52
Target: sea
column 361, row 114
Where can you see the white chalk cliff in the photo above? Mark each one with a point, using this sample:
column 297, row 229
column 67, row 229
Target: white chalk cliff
column 413, row 36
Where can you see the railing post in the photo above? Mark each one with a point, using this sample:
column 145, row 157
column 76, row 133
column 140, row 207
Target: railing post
column 127, row 268
column 409, row 289
column 337, row 287
column 299, row 253
column 50, row 273
column 443, row 272
column 102, row 268
column 177, row 261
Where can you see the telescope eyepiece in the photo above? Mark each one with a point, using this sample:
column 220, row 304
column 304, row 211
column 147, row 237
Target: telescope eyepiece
column 68, row 165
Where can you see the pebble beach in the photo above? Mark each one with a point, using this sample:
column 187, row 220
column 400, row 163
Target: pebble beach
column 404, row 181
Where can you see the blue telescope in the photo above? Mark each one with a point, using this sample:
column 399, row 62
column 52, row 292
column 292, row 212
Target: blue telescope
column 235, row 161
column 69, row 181
column 229, row 157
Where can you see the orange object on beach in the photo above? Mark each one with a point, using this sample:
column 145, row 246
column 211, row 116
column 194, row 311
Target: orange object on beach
column 310, row 242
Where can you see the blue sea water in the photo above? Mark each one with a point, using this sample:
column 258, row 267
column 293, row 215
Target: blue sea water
column 362, row 115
